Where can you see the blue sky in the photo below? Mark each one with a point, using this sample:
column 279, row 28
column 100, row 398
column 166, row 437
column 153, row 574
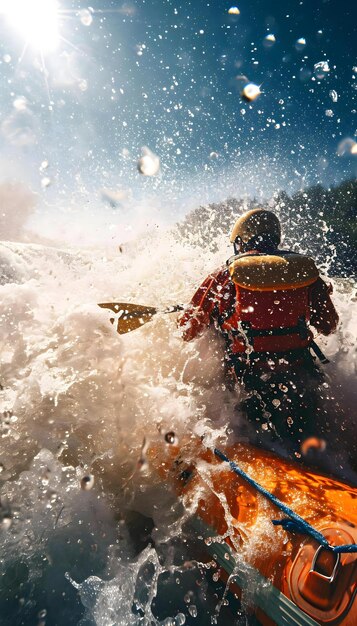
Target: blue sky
column 169, row 75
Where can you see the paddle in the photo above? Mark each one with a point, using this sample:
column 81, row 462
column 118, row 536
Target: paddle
column 131, row 316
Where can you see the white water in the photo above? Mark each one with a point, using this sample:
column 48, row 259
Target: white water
column 79, row 399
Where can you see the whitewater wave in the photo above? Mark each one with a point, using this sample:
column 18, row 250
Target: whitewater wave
column 79, row 400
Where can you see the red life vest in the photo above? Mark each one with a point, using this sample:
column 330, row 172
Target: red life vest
column 272, row 302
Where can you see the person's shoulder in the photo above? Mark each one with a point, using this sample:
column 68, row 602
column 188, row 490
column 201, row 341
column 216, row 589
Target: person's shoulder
column 221, row 273
column 219, row 276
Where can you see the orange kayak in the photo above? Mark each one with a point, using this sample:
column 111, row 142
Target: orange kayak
column 289, row 577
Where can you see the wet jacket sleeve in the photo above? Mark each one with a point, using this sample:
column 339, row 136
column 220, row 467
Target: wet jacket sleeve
column 198, row 315
column 323, row 315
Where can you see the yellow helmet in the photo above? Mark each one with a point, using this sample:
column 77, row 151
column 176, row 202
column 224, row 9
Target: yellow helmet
column 254, row 223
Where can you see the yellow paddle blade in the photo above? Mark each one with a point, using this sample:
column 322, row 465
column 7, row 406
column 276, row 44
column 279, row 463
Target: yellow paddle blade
column 129, row 316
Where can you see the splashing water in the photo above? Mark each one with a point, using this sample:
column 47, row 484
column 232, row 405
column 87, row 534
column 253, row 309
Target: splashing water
column 77, row 403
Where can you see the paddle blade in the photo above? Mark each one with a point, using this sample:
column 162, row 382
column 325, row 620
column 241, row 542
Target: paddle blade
column 129, row 316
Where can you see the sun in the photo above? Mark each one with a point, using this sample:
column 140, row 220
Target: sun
column 37, row 21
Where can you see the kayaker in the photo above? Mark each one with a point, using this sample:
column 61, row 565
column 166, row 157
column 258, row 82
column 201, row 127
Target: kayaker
column 263, row 302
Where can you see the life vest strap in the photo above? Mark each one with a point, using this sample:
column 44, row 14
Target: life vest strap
column 244, row 363
column 247, row 332
column 299, row 354
column 246, row 329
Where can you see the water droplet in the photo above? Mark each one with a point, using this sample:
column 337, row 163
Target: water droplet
column 250, row 92
column 276, row 402
column 329, row 113
column 6, row 58
column 192, row 609
column 313, row 443
column 44, row 165
column 149, row 163
column 333, row 95
column 269, row 40
column 321, row 69
column 86, row 17
column 180, row 619
column 234, row 11
column 87, row 482
column 20, row 103
column 347, row 146
column 300, row 44
column 283, row 387
column 45, row 480
column 53, row 497
column 83, row 85
column 45, row 182
column 170, row 437
column 6, row 522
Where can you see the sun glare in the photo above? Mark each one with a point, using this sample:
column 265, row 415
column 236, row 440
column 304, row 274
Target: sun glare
column 35, row 20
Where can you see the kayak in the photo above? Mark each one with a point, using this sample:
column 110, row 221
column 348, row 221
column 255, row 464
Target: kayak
column 295, row 570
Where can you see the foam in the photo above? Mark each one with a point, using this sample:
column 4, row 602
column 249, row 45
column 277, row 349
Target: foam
column 78, row 398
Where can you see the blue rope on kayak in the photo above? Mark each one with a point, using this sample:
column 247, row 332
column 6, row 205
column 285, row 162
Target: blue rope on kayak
column 294, row 523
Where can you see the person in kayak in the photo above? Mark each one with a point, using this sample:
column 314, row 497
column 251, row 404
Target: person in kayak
column 264, row 302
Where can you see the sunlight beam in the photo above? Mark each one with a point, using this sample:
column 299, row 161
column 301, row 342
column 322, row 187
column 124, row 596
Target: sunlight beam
column 36, row 21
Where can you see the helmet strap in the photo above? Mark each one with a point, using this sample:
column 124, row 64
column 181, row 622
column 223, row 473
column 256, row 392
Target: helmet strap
column 237, row 245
